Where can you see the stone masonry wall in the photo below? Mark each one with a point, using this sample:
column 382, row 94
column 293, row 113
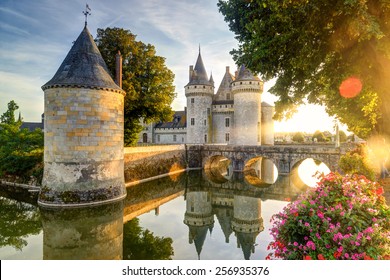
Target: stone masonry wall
column 83, row 145
column 146, row 162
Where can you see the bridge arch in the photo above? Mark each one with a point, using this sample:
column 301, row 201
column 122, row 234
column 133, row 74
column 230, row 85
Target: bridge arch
column 305, row 171
column 260, row 171
column 218, row 168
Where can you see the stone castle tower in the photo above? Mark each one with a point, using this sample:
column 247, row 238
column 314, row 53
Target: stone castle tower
column 199, row 92
column 84, row 119
column 247, row 91
column 234, row 115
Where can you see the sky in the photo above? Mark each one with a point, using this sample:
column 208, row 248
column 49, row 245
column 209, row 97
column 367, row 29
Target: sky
column 37, row 35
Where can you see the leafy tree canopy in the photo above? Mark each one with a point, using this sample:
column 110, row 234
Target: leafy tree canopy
column 343, row 136
column 9, row 116
column 299, row 137
column 311, row 47
column 320, row 136
column 146, row 79
column 21, row 150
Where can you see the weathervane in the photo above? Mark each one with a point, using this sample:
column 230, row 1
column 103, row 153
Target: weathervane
column 86, row 13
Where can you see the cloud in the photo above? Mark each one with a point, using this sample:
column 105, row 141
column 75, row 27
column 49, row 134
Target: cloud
column 25, row 91
column 13, row 29
column 19, row 16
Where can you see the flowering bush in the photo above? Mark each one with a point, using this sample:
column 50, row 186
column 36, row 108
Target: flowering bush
column 342, row 218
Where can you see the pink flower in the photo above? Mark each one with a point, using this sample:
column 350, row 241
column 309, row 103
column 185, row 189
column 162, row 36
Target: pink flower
column 311, row 245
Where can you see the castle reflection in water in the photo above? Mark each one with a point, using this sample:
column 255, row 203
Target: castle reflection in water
column 215, row 199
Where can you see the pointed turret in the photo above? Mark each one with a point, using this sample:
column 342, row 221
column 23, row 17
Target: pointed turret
column 198, row 74
column 199, row 92
column 83, row 67
column 211, row 78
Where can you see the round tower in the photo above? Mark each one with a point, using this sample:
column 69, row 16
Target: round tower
column 267, row 124
column 199, row 92
column 83, row 134
column 247, row 90
column 247, row 222
column 198, row 217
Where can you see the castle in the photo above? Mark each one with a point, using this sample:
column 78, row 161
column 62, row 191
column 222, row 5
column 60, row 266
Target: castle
column 234, row 115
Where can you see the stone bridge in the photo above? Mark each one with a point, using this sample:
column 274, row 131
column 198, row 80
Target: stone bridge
column 285, row 157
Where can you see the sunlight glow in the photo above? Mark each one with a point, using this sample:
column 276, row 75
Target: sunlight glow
column 309, row 170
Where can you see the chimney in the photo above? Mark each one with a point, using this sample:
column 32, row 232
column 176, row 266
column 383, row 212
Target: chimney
column 227, row 69
column 118, row 69
column 191, row 71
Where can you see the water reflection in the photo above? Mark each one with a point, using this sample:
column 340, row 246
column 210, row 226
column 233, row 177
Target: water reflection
column 83, row 233
column 198, row 218
column 219, row 169
column 306, row 172
column 18, row 221
column 260, row 172
column 141, row 244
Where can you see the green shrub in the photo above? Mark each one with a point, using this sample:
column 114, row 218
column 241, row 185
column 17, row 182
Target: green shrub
column 356, row 162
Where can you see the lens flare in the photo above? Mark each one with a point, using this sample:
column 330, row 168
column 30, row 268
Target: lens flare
column 350, row 87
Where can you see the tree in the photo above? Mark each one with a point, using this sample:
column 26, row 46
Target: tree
column 319, row 136
column 9, row 116
column 311, row 47
column 299, row 137
column 343, row 136
column 146, row 79
column 21, row 150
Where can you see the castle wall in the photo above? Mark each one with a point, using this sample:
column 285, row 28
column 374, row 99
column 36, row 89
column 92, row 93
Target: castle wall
column 151, row 161
column 83, row 146
column 220, row 129
column 170, row 136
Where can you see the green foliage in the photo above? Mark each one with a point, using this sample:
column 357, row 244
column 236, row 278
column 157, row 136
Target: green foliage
column 9, row 116
column 343, row 136
column 356, row 162
column 139, row 244
column 299, row 137
column 319, row 136
column 18, row 221
column 146, row 79
column 21, row 151
column 311, row 47
column 342, row 218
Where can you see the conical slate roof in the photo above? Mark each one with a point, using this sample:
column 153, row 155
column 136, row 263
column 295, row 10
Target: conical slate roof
column 83, row 67
column 244, row 74
column 199, row 76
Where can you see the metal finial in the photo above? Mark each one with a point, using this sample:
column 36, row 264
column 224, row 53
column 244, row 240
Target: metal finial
column 86, row 13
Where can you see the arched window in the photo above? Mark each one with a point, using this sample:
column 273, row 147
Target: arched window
column 145, row 138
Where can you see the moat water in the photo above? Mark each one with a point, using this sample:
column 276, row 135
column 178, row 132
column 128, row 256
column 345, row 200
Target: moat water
column 191, row 215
